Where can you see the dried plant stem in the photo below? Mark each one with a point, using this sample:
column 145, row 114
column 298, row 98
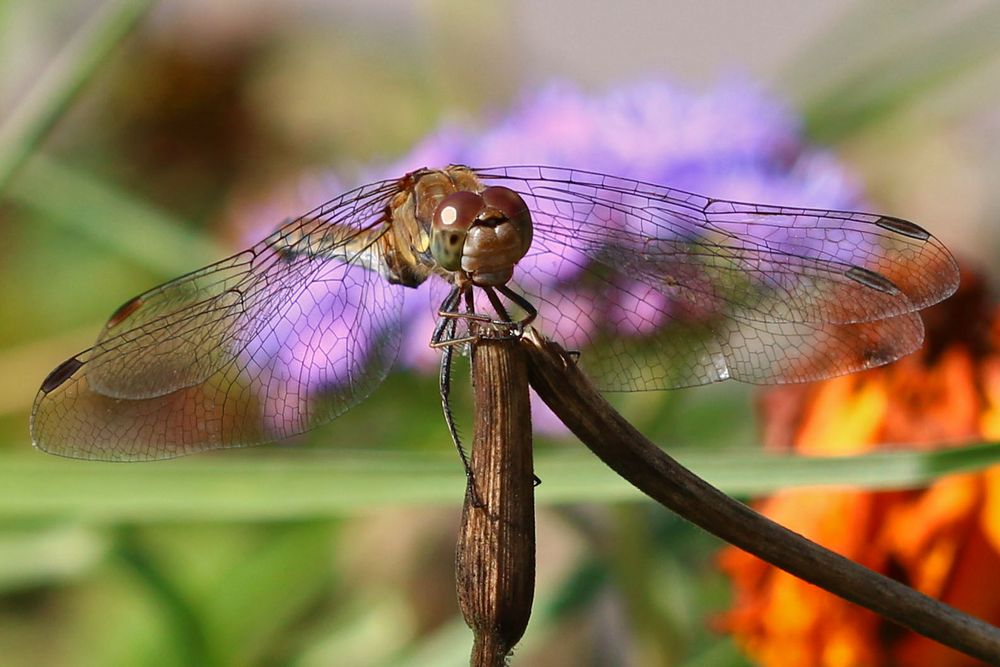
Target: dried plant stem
column 495, row 559
column 557, row 380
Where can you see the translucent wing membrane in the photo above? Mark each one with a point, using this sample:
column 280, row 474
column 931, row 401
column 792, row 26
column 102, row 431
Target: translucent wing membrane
column 666, row 288
column 656, row 287
column 260, row 346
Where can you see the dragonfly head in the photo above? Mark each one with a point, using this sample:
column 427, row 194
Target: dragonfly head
column 483, row 234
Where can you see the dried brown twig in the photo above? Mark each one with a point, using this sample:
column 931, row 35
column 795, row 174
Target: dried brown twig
column 495, row 560
column 557, row 380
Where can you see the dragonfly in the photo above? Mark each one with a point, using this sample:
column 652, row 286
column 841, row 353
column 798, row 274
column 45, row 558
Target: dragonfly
column 658, row 287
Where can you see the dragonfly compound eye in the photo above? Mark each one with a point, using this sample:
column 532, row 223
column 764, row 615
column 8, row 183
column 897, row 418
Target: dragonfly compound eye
column 514, row 209
column 500, row 239
column 452, row 219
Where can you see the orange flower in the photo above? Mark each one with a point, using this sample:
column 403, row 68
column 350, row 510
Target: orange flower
column 943, row 540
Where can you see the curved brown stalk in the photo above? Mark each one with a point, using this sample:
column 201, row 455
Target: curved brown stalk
column 557, row 380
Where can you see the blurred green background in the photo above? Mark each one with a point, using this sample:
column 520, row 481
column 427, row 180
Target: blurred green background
column 135, row 137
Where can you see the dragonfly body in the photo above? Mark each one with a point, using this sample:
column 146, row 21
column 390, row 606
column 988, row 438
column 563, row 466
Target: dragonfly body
column 657, row 287
column 442, row 221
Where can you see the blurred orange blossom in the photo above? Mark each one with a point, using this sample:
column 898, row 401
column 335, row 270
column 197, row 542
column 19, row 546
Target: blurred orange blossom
column 943, row 540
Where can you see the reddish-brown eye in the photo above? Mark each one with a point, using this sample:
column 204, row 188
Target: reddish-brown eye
column 505, row 200
column 452, row 219
column 513, row 208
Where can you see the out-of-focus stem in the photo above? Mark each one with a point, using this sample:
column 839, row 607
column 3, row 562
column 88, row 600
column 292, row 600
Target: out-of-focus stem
column 38, row 111
column 495, row 559
column 558, row 382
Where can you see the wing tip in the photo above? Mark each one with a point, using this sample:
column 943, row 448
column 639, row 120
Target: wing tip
column 60, row 374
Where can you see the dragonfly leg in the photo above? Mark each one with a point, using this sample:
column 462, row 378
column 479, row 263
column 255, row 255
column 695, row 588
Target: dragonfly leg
column 508, row 323
column 497, row 305
column 530, row 312
column 448, row 307
column 452, row 342
column 474, row 317
column 502, row 324
column 449, row 312
column 444, row 337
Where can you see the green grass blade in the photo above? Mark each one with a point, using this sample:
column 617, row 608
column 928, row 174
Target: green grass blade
column 282, row 485
column 69, row 71
column 82, row 204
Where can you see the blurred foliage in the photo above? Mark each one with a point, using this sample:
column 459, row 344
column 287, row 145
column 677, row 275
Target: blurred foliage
column 126, row 161
column 869, row 81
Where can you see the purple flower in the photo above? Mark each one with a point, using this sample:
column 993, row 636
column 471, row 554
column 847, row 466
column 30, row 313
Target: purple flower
column 733, row 141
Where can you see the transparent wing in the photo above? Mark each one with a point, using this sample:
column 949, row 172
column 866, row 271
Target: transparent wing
column 666, row 288
column 257, row 347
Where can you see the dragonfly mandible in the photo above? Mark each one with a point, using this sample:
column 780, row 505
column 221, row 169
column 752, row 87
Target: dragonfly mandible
column 658, row 287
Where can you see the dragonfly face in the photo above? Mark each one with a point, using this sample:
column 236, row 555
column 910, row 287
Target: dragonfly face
column 481, row 234
column 447, row 222
column 657, row 287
